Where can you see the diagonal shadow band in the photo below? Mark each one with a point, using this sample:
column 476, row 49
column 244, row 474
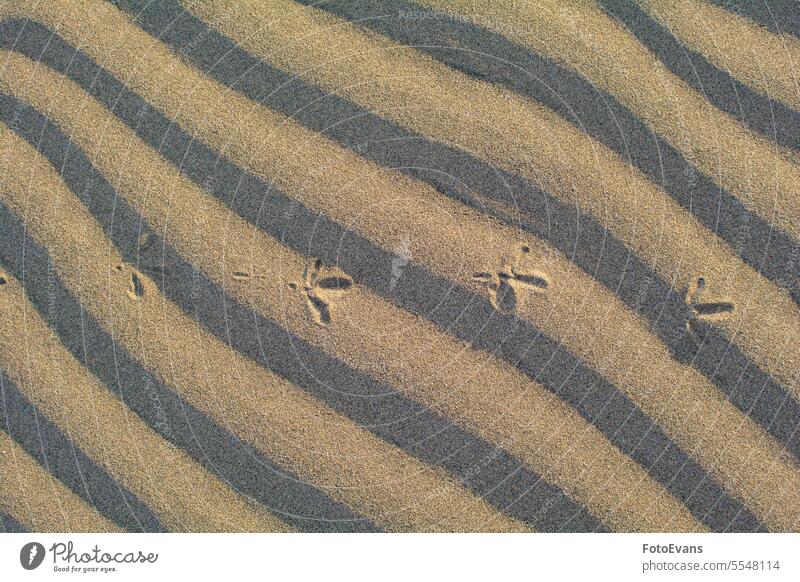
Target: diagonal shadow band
column 584, row 241
column 771, row 118
column 211, row 445
column 391, row 416
column 487, row 56
column 468, row 316
column 56, row 452
column 777, row 17
column 457, row 174
column 10, row 525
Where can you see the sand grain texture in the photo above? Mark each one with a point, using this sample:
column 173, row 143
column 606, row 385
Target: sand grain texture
column 430, row 366
column 38, row 501
column 184, row 495
column 277, row 417
column 343, row 316
column 767, row 62
column 523, row 138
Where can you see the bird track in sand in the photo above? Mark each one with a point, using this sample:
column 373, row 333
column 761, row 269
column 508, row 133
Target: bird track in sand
column 505, row 284
column 704, row 311
column 321, row 292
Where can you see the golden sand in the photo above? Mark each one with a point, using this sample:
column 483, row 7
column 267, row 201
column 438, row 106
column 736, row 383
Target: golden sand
column 576, row 33
column 729, row 445
column 449, row 240
column 37, row 500
column 184, row 496
column 506, row 130
column 766, row 322
column 481, row 393
column 376, row 479
column 769, row 63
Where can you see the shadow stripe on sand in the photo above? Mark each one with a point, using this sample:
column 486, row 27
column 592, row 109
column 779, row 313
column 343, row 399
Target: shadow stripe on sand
column 532, row 426
column 525, row 72
column 672, row 240
column 577, row 101
column 486, row 469
column 10, row 525
column 212, row 446
column 52, row 449
column 179, row 154
column 777, row 16
column 760, row 173
column 39, row 501
column 631, row 280
column 771, row 118
column 762, row 247
column 330, row 246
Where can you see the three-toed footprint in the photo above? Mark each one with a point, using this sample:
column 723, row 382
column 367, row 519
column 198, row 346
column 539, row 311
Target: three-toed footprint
column 321, row 291
column 704, row 311
column 507, row 283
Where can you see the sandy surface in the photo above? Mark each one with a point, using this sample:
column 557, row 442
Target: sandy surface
column 384, row 350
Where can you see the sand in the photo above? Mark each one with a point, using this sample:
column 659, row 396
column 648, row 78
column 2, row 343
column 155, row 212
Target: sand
column 269, row 146
column 312, row 440
column 762, row 175
column 520, row 275
column 184, row 496
column 769, row 63
column 33, row 497
column 543, row 431
column 527, row 139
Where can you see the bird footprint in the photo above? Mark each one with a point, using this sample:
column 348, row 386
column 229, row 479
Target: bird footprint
column 321, row 291
column 135, row 288
column 704, row 311
column 506, row 284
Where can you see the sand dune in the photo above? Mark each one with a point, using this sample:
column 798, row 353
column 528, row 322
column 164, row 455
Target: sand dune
column 37, row 500
column 523, row 277
column 766, row 62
